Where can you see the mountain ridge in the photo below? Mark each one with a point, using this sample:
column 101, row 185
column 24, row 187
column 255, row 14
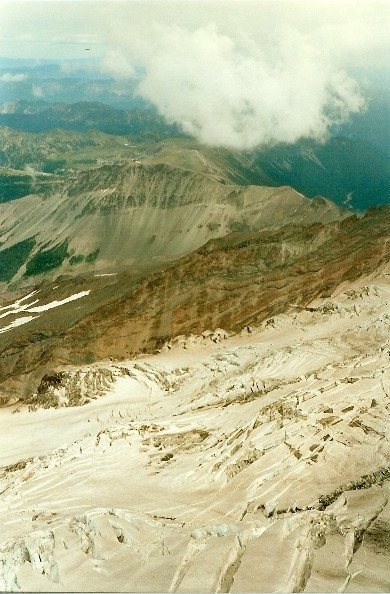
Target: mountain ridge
column 121, row 216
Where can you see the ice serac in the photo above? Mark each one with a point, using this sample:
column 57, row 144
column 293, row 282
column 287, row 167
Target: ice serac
column 254, row 461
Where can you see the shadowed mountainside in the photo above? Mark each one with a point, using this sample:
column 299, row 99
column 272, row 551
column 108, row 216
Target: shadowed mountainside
column 351, row 172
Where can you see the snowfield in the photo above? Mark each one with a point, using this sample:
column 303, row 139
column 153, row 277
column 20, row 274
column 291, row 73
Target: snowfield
column 254, row 462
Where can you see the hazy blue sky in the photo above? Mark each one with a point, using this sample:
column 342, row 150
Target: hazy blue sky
column 61, row 29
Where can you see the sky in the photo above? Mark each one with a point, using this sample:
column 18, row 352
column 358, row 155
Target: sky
column 237, row 73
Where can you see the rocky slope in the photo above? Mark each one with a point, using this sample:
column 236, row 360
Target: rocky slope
column 230, row 282
column 138, row 214
column 254, row 462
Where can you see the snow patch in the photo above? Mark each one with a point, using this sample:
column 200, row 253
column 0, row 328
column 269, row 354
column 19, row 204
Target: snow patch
column 18, row 322
column 17, row 303
column 16, row 308
column 53, row 304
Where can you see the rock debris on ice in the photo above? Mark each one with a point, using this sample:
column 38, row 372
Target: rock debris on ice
column 226, row 463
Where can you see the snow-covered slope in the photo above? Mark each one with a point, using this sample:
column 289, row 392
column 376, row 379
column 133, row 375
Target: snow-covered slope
column 254, row 462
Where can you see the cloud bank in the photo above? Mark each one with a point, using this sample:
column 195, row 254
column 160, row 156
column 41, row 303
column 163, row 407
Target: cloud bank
column 238, row 92
column 37, row 91
column 13, row 78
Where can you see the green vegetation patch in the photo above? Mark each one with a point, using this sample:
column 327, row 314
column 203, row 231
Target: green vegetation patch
column 14, row 186
column 92, row 257
column 12, row 258
column 238, row 226
column 213, row 226
column 76, row 259
column 52, row 166
column 47, row 260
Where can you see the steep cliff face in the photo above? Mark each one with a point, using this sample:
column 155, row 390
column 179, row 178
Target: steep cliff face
column 230, row 282
column 137, row 215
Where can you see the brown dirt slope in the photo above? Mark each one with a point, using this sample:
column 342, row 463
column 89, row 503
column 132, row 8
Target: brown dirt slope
column 230, row 282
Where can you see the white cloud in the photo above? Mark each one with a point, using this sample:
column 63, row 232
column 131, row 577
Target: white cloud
column 9, row 77
column 33, row 173
column 51, row 88
column 238, row 91
column 37, row 91
column 116, row 64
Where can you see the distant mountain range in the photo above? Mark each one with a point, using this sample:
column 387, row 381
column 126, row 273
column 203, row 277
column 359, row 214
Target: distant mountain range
column 57, row 137
column 39, row 116
column 67, row 82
